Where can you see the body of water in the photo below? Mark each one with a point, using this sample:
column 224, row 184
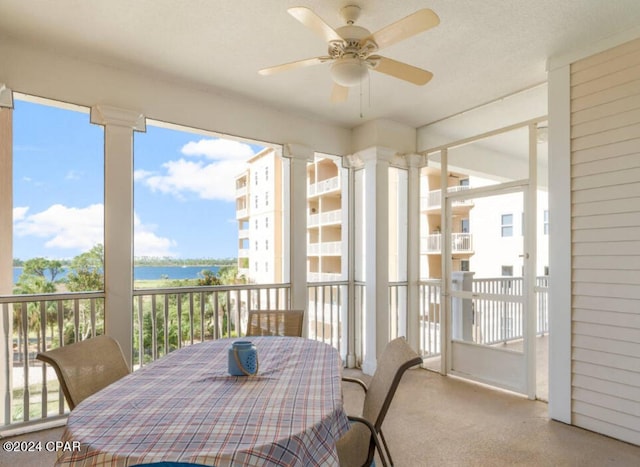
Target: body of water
column 150, row 272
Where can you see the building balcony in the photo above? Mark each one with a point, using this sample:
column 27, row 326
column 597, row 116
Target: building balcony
column 325, row 186
column 243, row 253
column 325, row 218
column 243, row 233
column 242, row 213
column 325, row 249
column 323, row 276
column 461, row 243
column 433, row 200
column 241, row 191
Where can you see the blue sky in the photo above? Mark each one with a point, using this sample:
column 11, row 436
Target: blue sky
column 184, row 187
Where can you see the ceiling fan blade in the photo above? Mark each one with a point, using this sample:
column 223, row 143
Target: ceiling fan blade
column 413, row 24
column 401, row 70
column 292, row 65
column 315, row 23
column 339, row 93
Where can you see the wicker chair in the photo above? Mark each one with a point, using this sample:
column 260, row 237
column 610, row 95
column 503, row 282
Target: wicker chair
column 357, row 447
column 85, row 367
column 275, row 323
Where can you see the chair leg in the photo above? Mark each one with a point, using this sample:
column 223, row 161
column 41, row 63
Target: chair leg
column 379, row 447
column 386, row 448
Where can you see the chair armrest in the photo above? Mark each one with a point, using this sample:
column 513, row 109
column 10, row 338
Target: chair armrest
column 374, row 435
column 355, row 380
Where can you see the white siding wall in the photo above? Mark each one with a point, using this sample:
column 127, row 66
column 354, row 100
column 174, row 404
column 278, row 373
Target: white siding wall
column 605, row 190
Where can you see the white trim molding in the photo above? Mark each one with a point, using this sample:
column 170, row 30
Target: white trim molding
column 108, row 115
column 561, row 60
column 6, row 96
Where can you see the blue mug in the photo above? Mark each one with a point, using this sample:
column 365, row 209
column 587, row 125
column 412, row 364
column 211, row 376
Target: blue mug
column 243, row 359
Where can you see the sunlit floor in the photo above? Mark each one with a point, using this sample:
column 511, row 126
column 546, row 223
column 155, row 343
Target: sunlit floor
column 542, row 364
column 444, row 421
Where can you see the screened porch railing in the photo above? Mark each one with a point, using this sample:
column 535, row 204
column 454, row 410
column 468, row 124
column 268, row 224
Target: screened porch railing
column 170, row 318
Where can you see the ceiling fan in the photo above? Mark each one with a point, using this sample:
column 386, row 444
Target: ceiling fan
column 352, row 49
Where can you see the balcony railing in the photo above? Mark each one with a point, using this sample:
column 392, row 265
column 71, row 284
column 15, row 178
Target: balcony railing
column 324, row 186
column 429, row 295
column 170, row 318
column 327, row 314
column 433, row 199
column 325, row 218
column 323, row 276
column 34, row 323
column 460, row 243
column 325, row 249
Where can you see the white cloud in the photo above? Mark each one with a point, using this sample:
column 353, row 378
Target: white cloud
column 218, row 149
column 64, row 227
column 141, row 174
column 19, row 213
column 208, row 181
column 212, row 179
column 73, row 175
column 147, row 243
column 81, row 228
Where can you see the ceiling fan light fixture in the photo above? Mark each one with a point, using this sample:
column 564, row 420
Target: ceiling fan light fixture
column 349, row 71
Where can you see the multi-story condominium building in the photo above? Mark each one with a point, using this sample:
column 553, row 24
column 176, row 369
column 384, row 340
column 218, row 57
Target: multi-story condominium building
column 431, row 220
column 326, row 239
column 486, row 233
column 259, row 209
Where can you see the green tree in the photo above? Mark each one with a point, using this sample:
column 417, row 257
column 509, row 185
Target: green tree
column 38, row 267
column 86, row 272
column 208, row 278
column 229, row 275
column 32, row 281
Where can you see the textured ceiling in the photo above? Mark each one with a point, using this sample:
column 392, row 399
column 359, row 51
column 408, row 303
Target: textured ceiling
column 481, row 51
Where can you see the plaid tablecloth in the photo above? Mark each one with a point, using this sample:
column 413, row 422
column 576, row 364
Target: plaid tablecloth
column 186, row 408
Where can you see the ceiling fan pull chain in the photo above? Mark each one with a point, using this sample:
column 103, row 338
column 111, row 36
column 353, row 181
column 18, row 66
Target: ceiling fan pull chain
column 361, row 114
column 369, row 84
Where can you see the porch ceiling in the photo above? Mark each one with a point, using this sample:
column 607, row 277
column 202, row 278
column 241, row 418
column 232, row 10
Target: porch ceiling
column 481, row 51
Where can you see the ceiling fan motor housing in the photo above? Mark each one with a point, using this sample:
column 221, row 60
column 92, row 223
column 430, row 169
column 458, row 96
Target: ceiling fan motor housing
column 349, row 71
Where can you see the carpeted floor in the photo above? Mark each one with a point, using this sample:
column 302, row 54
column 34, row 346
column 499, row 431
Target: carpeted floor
column 438, row 421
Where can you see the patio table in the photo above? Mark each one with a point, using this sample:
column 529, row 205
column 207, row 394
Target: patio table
column 185, row 407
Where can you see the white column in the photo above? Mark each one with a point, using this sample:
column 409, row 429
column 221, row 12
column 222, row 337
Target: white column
column 119, row 126
column 560, row 333
column 415, row 162
column 349, row 331
column 376, row 252
column 299, row 156
column 445, row 286
column 6, row 246
column 6, row 190
column 530, row 262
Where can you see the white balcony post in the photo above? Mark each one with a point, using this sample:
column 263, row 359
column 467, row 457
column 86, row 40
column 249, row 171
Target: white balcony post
column 415, row 162
column 298, row 156
column 6, row 245
column 376, row 253
column 119, row 126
